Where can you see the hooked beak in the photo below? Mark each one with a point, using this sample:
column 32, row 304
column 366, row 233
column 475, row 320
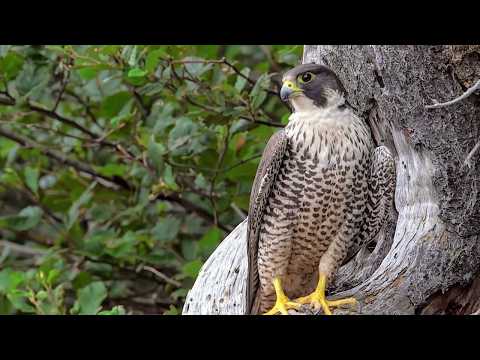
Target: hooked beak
column 289, row 88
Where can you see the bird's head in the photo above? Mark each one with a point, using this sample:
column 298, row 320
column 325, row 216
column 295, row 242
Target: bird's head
column 311, row 86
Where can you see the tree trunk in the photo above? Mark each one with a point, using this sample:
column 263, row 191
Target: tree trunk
column 427, row 258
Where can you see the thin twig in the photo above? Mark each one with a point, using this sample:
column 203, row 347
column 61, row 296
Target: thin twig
column 22, row 249
column 162, row 276
column 116, row 181
column 58, row 132
column 217, row 171
column 242, row 162
column 209, row 109
column 63, row 119
column 76, row 256
column 223, row 61
column 238, row 72
column 466, row 94
column 263, row 122
column 62, row 158
column 62, row 90
column 239, row 211
column 85, row 104
column 8, row 99
column 187, row 205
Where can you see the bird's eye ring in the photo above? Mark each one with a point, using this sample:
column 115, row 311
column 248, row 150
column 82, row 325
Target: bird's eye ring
column 306, row 77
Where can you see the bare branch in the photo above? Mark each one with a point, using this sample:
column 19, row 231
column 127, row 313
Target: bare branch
column 217, row 171
column 466, row 94
column 162, row 276
column 242, row 162
column 21, row 249
column 239, row 211
column 263, row 122
column 62, row 158
column 191, row 207
column 65, row 120
column 223, row 61
column 85, row 104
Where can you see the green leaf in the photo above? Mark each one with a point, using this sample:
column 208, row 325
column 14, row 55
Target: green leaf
column 116, row 310
column 241, row 81
column 172, row 311
column 192, row 268
column 6, row 145
column 285, row 119
column 82, row 279
column 122, row 247
column 245, row 171
column 117, row 120
column 129, row 53
column 112, row 169
column 56, row 48
column 179, row 293
column 109, row 49
column 166, row 229
column 258, row 93
column 169, row 178
column 88, row 73
column 136, row 72
column 187, row 138
column 74, row 210
column 290, row 55
column 19, row 301
column 4, row 50
column 240, row 126
column 196, row 67
column 189, row 249
column 31, row 80
column 90, row 298
column 153, row 58
column 9, row 280
column 11, row 65
column 151, row 89
column 113, row 104
column 155, row 152
column 210, row 240
column 31, row 178
column 52, row 276
column 26, row 219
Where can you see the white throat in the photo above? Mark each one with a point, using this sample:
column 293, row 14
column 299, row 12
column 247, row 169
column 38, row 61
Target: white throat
column 301, row 103
column 331, row 115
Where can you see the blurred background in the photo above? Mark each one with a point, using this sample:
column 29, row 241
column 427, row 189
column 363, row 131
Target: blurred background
column 123, row 167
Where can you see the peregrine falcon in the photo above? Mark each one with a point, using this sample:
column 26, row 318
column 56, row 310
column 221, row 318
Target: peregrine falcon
column 321, row 192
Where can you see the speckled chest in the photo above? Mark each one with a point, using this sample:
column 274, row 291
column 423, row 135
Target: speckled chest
column 321, row 189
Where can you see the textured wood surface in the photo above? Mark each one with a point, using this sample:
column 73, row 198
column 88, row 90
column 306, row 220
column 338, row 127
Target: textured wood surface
column 221, row 285
column 431, row 244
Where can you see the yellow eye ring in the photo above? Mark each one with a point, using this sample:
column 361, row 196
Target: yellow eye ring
column 306, row 77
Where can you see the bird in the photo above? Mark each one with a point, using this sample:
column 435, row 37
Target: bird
column 322, row 190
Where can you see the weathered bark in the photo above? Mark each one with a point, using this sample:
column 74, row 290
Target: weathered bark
column 426, row 259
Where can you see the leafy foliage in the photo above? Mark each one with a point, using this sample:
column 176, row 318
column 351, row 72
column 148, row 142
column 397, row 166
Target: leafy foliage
column 123, row 167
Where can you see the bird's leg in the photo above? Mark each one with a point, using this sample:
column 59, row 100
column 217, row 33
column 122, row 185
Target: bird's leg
column 283, row 303
column 318, row 300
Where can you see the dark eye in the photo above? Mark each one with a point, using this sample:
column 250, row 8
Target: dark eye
column 306, row 77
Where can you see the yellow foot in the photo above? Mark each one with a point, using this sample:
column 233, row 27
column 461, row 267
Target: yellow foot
column 282, row 303
column 318, row 300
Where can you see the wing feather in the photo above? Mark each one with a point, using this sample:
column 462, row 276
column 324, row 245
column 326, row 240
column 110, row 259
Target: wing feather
column 381, row 188
column 267, row 171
